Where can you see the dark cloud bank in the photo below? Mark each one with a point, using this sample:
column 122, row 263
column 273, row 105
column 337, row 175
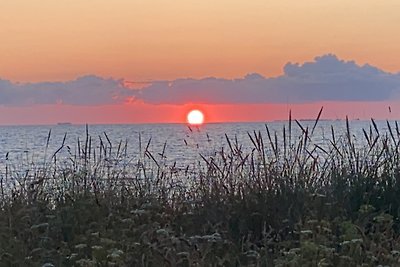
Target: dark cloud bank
column 327, row 78
column 87, row 90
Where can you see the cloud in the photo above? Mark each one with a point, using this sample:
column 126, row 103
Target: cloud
column 86, row 90
column 326, row 78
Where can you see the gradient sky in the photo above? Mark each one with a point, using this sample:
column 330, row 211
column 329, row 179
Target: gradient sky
column 47, row 40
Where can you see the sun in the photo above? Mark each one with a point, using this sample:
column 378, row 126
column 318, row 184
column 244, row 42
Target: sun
column 195, row 117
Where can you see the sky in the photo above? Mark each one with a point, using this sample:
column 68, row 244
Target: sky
column 148, row 61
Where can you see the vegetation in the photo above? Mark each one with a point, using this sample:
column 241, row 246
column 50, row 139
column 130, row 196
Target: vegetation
column 290, row 201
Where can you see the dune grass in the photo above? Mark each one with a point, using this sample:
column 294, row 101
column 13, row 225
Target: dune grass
column 290, row 201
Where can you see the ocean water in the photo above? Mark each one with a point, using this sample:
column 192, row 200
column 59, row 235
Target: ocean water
column 172, row 143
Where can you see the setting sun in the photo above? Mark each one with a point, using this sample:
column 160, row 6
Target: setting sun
column 195, row 117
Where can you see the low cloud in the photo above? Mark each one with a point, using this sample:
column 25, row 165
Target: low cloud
column 86, row 90
column 326, row 78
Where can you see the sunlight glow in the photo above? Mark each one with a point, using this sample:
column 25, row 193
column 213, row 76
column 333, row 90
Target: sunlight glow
column 195, row 117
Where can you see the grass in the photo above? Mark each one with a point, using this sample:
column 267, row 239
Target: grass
column 290, row 201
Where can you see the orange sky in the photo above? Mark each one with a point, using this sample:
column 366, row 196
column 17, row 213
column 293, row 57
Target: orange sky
column 145, row 113
column 48, row 40
column 158, row 39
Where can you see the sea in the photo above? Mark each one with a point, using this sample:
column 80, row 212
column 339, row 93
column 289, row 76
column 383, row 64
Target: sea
column 178, row 144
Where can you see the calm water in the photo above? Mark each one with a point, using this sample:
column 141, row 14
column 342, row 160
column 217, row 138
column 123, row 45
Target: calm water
column 182, row 144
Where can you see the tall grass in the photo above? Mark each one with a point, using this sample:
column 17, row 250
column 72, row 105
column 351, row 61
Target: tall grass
column 289, row 201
